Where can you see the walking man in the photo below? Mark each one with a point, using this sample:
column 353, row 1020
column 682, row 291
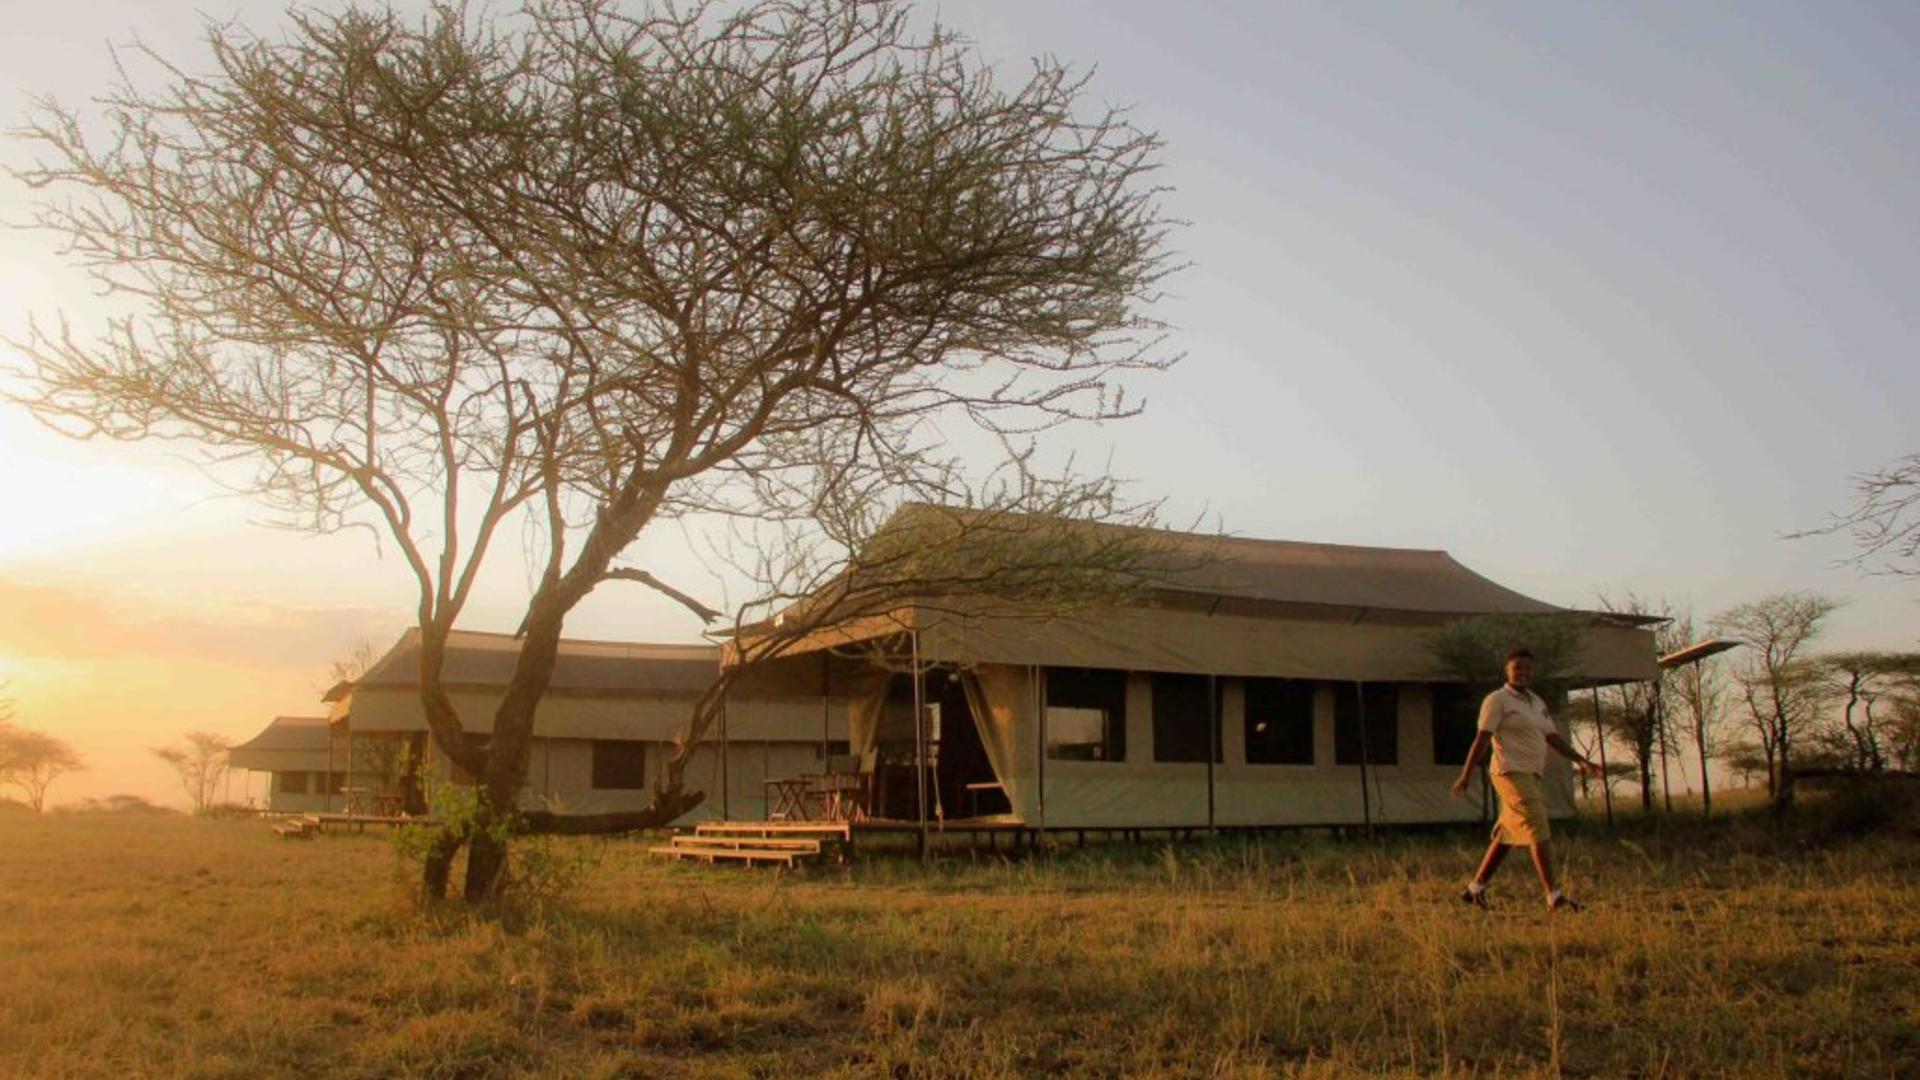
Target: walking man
column 1513, row 719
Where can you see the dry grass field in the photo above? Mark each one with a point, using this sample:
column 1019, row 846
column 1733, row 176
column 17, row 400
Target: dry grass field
column 142, row 945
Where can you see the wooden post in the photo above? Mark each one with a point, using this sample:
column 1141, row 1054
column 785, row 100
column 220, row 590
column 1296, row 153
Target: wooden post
column 326, row 782
column 726, row 777
column 1213, row 744
column 1695, row 703
column 349, row 780
column 1660, row 733
column 1366, row 795
column 1600, row 735
column 1038, row 686
column 919, row 742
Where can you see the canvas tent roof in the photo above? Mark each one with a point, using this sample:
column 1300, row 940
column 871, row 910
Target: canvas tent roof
column 289, row 733
column 1341, row 575
column 1234, row 606
column 478, row 659
column 1252, row 570
column 289, row 742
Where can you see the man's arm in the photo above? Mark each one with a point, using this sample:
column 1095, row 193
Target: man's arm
column 1475, row 754
column 1566, row 750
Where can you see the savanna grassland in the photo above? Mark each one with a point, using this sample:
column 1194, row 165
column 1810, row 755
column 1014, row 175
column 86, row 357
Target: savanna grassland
column 157, row 945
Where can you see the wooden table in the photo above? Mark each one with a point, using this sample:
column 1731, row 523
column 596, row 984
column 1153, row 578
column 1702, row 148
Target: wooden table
column 837, row 795
column 789, row 799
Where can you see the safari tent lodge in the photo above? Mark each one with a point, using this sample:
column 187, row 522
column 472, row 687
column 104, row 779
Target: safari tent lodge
column 1271, row 683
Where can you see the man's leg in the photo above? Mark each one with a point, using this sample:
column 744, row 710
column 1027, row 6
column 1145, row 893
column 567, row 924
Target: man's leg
column 1496, row 854
column 1543, row 865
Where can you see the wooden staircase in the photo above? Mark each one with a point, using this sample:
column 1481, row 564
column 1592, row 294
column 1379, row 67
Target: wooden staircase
column 778, row 843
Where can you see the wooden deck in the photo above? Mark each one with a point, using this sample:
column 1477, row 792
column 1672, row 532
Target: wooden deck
column 306, row 826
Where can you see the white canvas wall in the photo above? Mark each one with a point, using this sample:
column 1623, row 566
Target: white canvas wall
column 560, row 777
column 1142, row 793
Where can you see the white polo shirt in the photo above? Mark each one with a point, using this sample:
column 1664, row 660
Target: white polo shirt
column 1519, row 724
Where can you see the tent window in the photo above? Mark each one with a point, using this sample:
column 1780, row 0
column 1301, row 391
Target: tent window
column 1380, row 739
column 294, row 783
column 619, row 764
column 1279, row 719
column 1086, row 714
column 1455, row 716
column 1183, row 708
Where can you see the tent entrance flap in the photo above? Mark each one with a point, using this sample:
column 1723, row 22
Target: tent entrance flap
column 992, row 698
column 970, row 785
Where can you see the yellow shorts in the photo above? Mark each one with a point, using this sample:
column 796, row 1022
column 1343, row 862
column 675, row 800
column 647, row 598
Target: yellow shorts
column 1523, row 810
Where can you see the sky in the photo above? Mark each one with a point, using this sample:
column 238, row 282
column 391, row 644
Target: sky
column 1599, row 298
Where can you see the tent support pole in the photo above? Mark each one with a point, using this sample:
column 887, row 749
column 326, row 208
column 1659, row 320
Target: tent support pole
column 1039, row 687
column 919, row 742
column 1213, row 743
column 349, row 780
column 1366, row 795
column 326, row 782
column 826, row 707
column 1600, row 736
column 1659, row 733
column 726, row 778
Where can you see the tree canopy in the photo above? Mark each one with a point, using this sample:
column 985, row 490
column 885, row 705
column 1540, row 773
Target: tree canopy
column 584, row 270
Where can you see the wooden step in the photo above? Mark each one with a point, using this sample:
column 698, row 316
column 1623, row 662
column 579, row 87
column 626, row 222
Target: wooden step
column 838, row 830
column 761, row 843
column 712, row 854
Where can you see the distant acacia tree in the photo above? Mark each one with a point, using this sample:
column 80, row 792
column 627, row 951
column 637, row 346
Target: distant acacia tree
column 1903, row 728
column 1862, row 681
column 200, row 761
column 1701, row 687
column 588, row 271
column 1641, row 715
column 33, row 760
column 1779, row 685
column 1746, row 760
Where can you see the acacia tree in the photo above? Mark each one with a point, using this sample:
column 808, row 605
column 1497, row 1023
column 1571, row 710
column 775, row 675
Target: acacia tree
column 33, row 760
column 1861, row 681
column 1640, row 713
column 586, row 273
column 1779, row 687
column 1702, row 687
column 1903, row 727
column 200, row 761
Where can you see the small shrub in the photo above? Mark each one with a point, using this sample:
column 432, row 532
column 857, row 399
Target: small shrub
column 117, row 804
column 540, row 871
column 1855, row 807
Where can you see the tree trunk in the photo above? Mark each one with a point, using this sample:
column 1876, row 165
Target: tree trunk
column 486, row 865
column 1853, row 732
column 494, row 821
column 439, row 864
column 1783, row 784
column 1706, row 786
